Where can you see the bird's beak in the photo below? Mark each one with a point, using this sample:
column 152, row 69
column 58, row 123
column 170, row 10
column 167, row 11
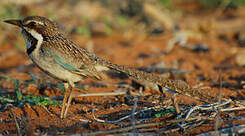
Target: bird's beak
column 14, row 22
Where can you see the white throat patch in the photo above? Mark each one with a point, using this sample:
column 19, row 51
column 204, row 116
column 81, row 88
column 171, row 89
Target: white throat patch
column 36, row 35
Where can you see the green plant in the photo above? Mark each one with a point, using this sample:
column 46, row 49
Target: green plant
column 9, row 11
column 18, row 99
column 166, row 3
column 83, row 30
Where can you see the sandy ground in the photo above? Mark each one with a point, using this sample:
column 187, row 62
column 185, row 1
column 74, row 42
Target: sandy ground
column 214, row 55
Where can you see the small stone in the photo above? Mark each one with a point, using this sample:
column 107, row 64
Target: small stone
column 240, row 58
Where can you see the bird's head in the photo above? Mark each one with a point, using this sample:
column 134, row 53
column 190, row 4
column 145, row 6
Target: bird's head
column 36, row 25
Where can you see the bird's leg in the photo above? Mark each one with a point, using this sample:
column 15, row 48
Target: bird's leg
column 64, row 100
column 69, row 100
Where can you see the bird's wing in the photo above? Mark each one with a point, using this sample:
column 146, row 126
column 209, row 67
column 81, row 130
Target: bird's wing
column 71, row 57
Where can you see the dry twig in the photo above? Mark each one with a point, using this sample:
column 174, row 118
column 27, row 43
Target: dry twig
column 16, row 123
column 102, row 94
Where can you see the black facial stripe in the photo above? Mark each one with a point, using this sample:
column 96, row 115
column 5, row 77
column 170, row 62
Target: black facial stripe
column 31, row 49
column 33, row 41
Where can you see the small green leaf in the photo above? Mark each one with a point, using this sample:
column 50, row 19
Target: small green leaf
column 164, row 112
column 165, row 2
column 84, row 30
column 122, row 20
column 81, row 87
column 19, row 95
column 16, row 84
column 33, row 79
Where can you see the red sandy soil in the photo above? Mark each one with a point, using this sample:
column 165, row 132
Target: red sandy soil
column 202, row 67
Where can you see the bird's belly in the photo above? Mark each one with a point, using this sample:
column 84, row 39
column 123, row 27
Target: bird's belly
column 55, row 70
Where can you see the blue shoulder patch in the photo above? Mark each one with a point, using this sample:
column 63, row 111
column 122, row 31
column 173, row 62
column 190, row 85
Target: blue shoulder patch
column 61, row 62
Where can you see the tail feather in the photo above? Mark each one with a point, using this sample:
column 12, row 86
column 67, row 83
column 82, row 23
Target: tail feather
column 176, row 85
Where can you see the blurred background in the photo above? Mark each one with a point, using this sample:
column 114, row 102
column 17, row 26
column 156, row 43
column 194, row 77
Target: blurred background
column 128, row 22
column 189, row 40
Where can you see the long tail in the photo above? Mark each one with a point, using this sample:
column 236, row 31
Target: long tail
column 176, row 85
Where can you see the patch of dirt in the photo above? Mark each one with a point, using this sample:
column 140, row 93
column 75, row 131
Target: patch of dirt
column 201, row 68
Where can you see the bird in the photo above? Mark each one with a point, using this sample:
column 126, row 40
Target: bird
column 56, row 55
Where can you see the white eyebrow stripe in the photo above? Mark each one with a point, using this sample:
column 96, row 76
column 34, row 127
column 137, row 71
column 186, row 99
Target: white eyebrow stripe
column 41, row 23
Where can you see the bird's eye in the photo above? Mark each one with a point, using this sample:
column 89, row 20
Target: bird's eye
column 32, row 24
